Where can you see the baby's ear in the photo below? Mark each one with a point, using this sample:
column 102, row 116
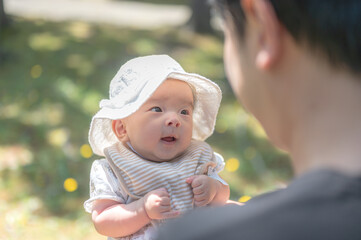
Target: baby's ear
column 119, row 130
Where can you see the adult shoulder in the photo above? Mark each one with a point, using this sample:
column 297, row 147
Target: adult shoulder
column 319, row 205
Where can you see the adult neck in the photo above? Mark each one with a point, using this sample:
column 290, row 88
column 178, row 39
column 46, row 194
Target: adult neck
column 326, row 120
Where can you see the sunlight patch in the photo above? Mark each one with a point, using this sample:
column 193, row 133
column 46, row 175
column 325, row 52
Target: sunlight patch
column 144, row 46
column 80, row 30
column 58, row 137
column 45, row 42
column 222, row 125
column 79, row 63
column 50, row 114
column 75, row 94
column 36, row 71
column 14, row 156
column 10, row 111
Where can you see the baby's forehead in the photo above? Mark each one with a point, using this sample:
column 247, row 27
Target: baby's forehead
column 174, row 80
column 175, row 84
column 173, row 89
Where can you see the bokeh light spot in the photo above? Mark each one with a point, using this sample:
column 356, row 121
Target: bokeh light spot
column 144, row 46
column 80, row 30
column 58, row 137
column 46, row 42
column 244, row 199
column 86, row 151
column 222, row 126
column 232, row 164
column 36, row 71
column 70, row 185
column 14, row 156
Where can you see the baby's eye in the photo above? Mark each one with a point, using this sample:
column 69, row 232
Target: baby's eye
column 156, row 109
column 185, row 112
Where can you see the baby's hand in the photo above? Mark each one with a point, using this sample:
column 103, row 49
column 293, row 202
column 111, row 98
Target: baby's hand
column 157, row 205
column 204, row 189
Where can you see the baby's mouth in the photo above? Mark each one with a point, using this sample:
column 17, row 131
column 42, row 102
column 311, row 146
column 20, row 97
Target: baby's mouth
column 169, row 139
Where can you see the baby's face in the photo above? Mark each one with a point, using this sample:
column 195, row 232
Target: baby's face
column 161, row 128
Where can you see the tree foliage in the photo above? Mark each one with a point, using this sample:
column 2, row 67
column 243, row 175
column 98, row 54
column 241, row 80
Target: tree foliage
column 3, row 17
column 200, row 20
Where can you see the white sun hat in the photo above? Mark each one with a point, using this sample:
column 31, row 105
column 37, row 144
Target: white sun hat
column 135, row 82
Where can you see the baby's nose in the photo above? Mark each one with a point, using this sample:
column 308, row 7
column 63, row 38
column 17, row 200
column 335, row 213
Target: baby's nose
column 173, row 121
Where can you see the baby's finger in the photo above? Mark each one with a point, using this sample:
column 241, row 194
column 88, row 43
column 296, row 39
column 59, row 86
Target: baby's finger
column 164, row 209
column 190, row 179
column 171, row 214
column 200, row 203
column 197, row 181
column 165, row 201
column 200, row 197
column 162, row 192
column 163, row 189
column 198, row 190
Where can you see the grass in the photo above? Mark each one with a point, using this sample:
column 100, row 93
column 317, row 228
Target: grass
column 52, row 76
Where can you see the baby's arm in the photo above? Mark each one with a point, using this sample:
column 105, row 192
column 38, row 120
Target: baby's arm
column 207, row 190
column 113, row 219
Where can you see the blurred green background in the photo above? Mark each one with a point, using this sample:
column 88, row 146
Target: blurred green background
column 52, row 76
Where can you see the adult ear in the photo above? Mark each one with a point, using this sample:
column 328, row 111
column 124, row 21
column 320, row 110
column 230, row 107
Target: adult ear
column 269, row 30
column 119, row 130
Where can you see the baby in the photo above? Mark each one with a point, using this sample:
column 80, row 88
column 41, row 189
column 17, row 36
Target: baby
column 151, row 132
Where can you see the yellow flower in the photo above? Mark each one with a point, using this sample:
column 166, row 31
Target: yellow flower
column 86, row 151
column 244, row 198
column 232, row 164
column 70, row 185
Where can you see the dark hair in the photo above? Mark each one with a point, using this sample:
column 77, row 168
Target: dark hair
column 331, row 27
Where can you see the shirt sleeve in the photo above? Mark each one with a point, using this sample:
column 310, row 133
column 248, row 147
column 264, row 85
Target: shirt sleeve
column 213, row 172
column 103, row 185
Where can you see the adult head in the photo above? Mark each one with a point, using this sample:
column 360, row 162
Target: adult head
column 295, row 65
